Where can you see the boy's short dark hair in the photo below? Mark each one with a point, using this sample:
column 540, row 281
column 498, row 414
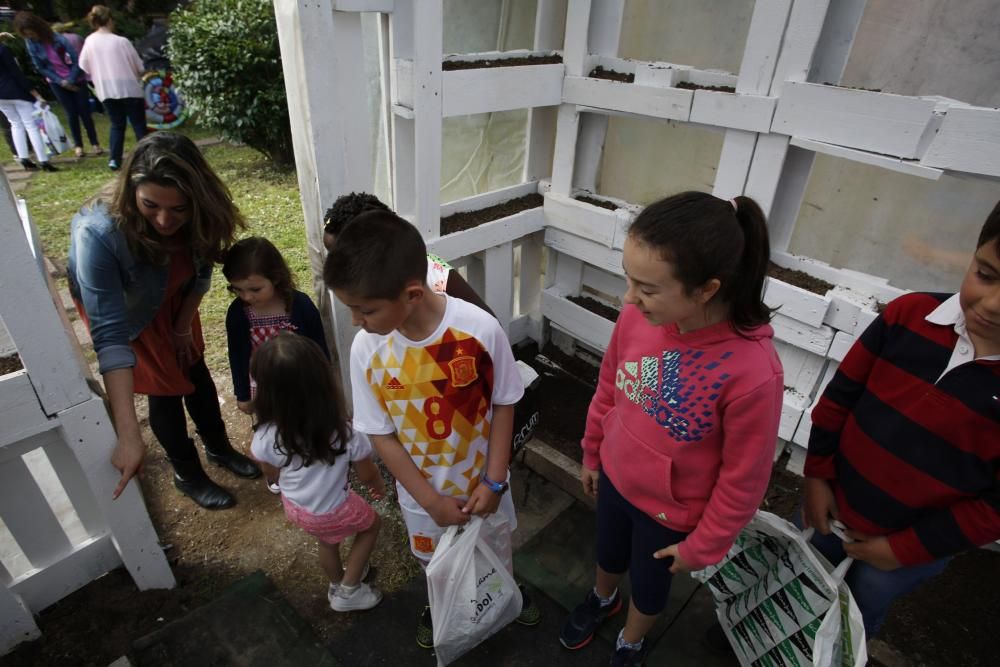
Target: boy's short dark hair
column 377, row 257
column 991, row 229
column 348, row 207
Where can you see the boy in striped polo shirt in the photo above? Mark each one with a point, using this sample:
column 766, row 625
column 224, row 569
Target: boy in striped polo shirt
column 905, row 442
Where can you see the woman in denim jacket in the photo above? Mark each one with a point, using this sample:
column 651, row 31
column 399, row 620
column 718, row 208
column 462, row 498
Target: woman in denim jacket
column 138, row 268
column 58, row 61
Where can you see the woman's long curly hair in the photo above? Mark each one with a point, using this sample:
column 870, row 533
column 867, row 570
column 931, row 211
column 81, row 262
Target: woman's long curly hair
column 172, row 160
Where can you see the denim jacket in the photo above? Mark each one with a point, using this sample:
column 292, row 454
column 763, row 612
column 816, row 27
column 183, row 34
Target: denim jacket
column 40, row 59
column 120, row 294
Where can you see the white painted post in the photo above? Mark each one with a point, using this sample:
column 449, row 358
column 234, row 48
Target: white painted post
column 531, row 284
column 499, row 294
column 541, row 130
column 16, row 621
column 428, row 37
column 331, row 133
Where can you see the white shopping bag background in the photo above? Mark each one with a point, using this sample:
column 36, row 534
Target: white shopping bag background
column 471, row 587
column 52, row 131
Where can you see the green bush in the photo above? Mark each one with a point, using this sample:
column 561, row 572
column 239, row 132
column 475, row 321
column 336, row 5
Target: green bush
column 226, row 62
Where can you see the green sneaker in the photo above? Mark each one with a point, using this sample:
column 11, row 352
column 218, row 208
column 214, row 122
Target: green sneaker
column 530, row 613
column 425, row 630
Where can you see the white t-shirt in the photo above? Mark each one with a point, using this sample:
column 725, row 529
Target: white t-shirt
column 318, row 488
column 437, row 395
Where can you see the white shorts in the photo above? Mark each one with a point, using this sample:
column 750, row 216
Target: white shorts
column 424, row 534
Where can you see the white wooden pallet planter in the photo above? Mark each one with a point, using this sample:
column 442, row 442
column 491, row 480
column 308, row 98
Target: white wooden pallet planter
column 792, row 407
column 871, row 121
column 816, row 340
column 496, row 232
column 738, row 111
column 865, row 284
column 589, row 328
column 601, row 256
column 598, row 224
column 385, row 6
column 650, row 101
column 968, row 140
column 487, row 89
column 795, row 302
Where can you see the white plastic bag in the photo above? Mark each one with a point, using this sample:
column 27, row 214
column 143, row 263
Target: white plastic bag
column 781, row 603
column 51, row 129
column 471, row 587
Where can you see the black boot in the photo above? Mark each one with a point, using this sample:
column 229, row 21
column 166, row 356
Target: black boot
column 221, row 453
column 191, row 480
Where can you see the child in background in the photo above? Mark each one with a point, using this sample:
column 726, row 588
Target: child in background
column 906, row 437
column 303, row 438
column 440, row 276
column 434, row 385
column 266, row 303
column 682, row 429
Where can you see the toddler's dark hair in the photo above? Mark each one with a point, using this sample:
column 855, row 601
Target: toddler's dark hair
column 348, row 207
column 376, row 256
column 296, row 393
column 991, row 229
column 704, row 237
column 255, row 255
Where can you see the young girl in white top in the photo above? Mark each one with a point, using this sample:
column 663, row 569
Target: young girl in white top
column 304, row 439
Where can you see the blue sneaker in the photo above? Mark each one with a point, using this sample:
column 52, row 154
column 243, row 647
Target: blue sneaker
column 113, row 165
column 581, row 625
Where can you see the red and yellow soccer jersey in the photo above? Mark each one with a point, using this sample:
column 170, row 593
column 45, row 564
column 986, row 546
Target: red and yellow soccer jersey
column 437, row 395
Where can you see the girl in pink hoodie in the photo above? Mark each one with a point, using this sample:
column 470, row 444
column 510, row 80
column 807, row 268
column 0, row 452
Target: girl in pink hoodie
column 681, row 431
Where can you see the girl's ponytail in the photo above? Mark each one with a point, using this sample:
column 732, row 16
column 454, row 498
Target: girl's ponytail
column 746, row 292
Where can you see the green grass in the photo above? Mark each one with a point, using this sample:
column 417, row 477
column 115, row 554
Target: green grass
column 268, row 198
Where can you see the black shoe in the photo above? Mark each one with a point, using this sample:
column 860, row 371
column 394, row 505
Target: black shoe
column 425, row 630
column 628, row 657
column 191, row 480
column 221, row 453
column 48, row 166
column 581, row 625
column 530, row 613
column 28, row 164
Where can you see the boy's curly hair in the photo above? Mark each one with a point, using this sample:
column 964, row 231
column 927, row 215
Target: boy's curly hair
column 348, row 207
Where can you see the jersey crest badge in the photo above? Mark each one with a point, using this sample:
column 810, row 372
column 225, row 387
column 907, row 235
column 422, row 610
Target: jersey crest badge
column 463, row 371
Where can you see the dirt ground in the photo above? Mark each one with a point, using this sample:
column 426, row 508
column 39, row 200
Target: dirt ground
column 949, row 621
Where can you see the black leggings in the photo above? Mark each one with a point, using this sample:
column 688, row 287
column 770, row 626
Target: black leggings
column 166, row 415
column 626, row 540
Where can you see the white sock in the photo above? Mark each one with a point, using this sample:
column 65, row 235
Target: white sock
column 632, row 646
column 605, row 601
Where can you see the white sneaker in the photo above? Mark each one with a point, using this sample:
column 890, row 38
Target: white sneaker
column 274, row 488
column 362, row 597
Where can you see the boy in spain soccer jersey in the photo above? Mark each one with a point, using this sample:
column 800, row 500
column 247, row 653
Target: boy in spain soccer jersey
column 433, row 379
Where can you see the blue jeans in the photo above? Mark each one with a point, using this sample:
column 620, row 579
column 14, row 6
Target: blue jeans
column 873, row 589
column 133, row 108
column 77, row 106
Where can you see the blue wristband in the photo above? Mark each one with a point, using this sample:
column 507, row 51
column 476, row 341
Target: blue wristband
column 496, row 487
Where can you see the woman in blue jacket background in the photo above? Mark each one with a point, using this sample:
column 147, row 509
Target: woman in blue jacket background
column 56, row 59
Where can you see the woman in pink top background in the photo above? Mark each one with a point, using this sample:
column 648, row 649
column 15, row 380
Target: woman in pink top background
column 116, row 69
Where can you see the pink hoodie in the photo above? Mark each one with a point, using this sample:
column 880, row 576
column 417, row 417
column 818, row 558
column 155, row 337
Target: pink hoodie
column 685, row 426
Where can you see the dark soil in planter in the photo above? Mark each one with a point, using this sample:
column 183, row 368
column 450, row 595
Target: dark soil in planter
column 451, row 65
column 867, row 90
column 611, row 75
column 10, row 364
column 799, row 279
column 687, row 85
column 597, row 202
column 457, row 222
column 596, row 307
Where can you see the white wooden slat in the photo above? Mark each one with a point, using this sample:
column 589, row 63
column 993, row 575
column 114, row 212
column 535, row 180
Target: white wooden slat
column 589, row 328
column 487, row 235
column 875, row 159
column 665, row 103
column 592, row 222
column 428, row 35
column 484, row 90
column 74, row 483
column 565, row 273
column 853, row 280
column 796, row 459
column 795, row 302
column 401, row 82
column 37, row 532
column 813, row 339
column 803, row 369
column 845, row 306
column 475, row 273
column 540, row 143
column 498, row 264
column 792, row 407
column 876, row 122
column 22, row 413
column 576, row 48
column 742, row 112
column 605, row 26
column 604, row 282
column 364, row 5
column 530, row 292
column 968, row 140
column 524, row 327
column 833, row 49
column 564, row 153
column 550, row 24
column 805, row 26
column 760, row 56
column 734, row 163
column 487, row 199
column 87, row 430
column 600, row 256
column 589, row 148
column 801, row 437
column 842, row 343
column 74, row 570
column 766, row 170
column 16, row 621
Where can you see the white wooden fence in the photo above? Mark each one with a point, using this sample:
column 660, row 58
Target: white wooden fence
column 784, row 112
column 59, row 528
